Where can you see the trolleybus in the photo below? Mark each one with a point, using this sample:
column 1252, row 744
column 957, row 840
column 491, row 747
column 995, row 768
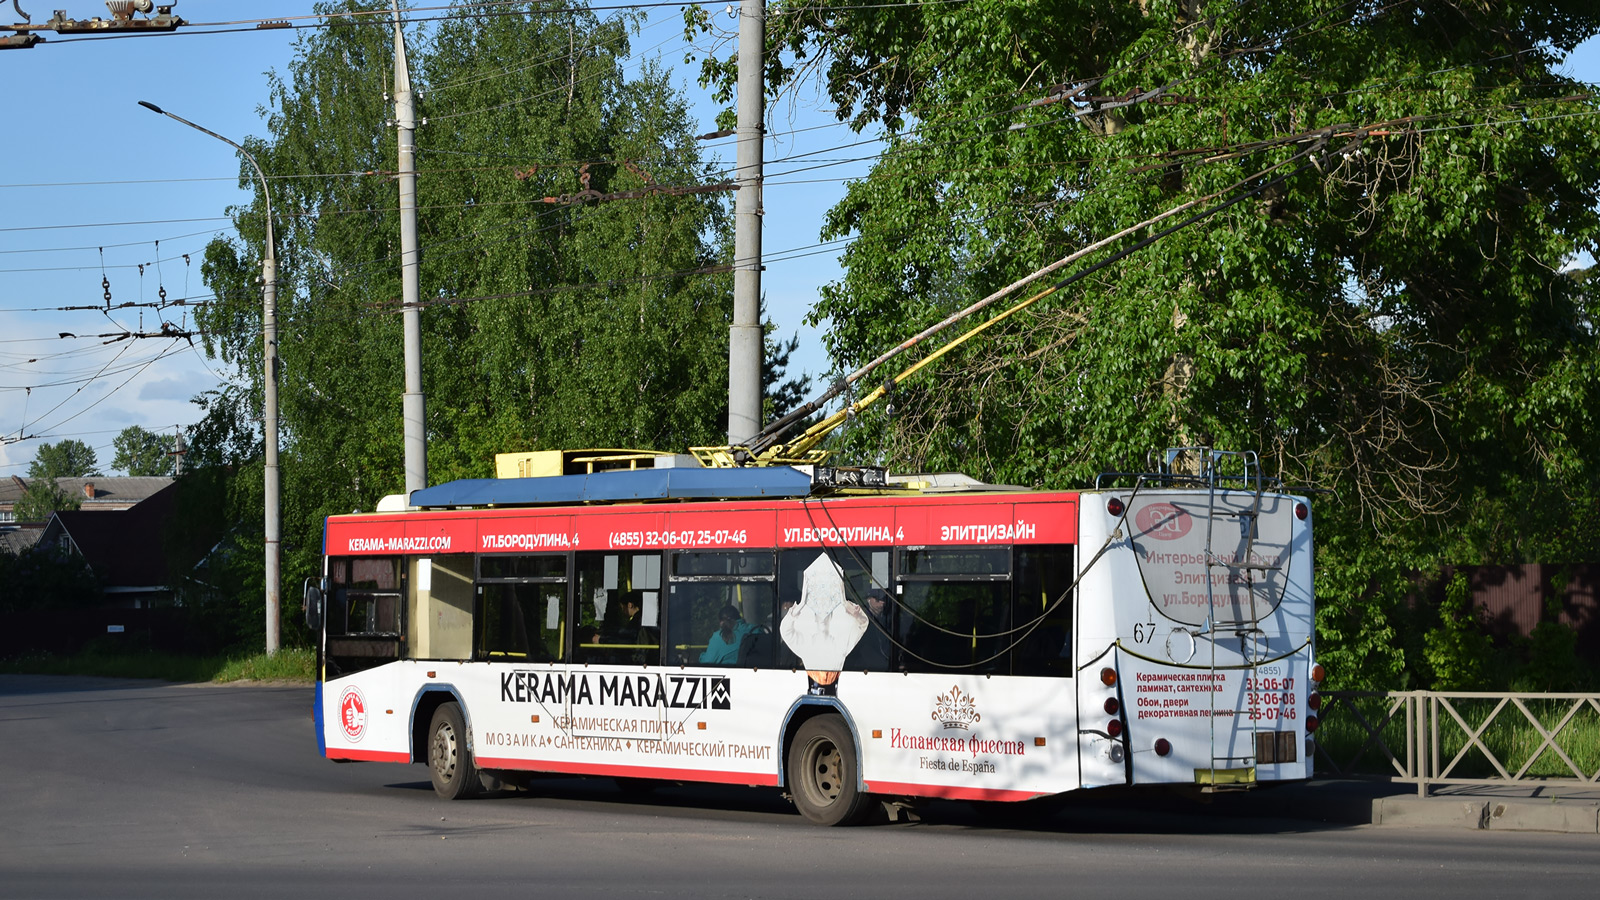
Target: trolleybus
column 844, row 639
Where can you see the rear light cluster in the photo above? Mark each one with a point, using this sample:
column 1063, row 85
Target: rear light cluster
column 1314, row 699
column 1113, row 708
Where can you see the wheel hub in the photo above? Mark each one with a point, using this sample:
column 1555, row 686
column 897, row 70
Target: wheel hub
column 443, row 752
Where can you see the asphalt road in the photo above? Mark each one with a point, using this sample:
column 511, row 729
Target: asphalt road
column 137, row 789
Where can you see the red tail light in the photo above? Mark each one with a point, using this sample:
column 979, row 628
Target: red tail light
column 1314, row 700
column 1115, row 507
column 1163, row 747
column 1311, row 724
column 1113, row 707
column 1301, row 511
column 1108, row 677
column 1114, row 727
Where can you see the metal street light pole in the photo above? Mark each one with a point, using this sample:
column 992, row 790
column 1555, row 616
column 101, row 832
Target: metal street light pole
column 744, row 335
column 269, row 388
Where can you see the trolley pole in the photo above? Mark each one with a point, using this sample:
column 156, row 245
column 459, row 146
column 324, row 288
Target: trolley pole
column 744, row 337
column 269, row 385
column 414, row 406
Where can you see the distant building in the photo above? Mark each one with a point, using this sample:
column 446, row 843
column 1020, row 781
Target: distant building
column 122, row 547
column 97, row 493
column 17, row 539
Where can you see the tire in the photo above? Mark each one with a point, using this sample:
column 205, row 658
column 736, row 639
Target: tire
column 823, row 778
column 450, row 765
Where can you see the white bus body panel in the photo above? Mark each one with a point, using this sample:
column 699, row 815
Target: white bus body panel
column 958, row 736
column 1206, row 685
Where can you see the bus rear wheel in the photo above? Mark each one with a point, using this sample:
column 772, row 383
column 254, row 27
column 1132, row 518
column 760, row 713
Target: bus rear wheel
column 450, row 765
column 822, row 773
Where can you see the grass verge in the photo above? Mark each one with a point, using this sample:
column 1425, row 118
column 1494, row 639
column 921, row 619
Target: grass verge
column 290, row 665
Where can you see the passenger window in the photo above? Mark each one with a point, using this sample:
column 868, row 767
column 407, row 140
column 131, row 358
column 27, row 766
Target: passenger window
column 955, row 609
column 1044, row 607
column 442, row 595
column 520, row 622
column 867, row 585
column 956, row 625
column 366, row 596
column 618, row 609
column 522, row 604
column 720, row 609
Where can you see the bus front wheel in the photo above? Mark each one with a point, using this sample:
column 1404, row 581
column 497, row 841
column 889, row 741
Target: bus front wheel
column 822, row 773
column 450, row 765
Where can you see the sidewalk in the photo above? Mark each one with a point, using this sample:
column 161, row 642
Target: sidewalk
column 1551, row 806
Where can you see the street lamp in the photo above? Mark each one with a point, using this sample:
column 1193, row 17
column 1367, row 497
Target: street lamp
column 269, row 336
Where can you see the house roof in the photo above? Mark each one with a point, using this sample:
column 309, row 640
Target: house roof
column 17, row 540
column 95, row 492
column 123, row 547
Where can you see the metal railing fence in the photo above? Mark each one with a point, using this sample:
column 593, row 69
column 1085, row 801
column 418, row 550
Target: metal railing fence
column 1430, row 738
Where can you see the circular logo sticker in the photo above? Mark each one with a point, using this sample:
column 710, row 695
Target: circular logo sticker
column 353, row 713
column 1163, row 521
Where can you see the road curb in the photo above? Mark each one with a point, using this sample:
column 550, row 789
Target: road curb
column 1568, row 818
column 1491, row 814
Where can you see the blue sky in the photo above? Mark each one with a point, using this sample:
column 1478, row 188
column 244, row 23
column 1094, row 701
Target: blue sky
column 90, row 182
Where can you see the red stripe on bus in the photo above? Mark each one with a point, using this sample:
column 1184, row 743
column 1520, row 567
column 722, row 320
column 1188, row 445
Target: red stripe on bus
column 948, row 792
column 564, row 768
column 368, row 755
column 764, row 525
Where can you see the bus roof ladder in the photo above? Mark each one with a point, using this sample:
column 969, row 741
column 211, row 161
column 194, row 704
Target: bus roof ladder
column 1228, row 771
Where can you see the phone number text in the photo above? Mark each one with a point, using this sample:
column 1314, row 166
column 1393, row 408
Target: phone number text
column 686, row 538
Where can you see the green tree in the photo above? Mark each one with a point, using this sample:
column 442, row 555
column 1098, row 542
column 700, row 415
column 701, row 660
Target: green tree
column 575, row 296
column 781, row 390
column 40, row 579
column 41, row 498
column 141, row 452
column 1380, row 313
column 67, row 459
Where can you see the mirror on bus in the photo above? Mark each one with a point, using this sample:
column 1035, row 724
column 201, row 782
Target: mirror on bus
column 312, row 602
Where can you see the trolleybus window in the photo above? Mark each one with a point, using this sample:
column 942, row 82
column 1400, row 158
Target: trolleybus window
column 1043, row 578
column 439, row 621
column 365, row 606
column 720, row 609
column 366, row 596
column 618, row 608
column 866, row 571
column 968, row 608
column 521, row 607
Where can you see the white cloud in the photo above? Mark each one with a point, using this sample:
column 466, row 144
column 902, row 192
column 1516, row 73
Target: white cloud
column 180, row 389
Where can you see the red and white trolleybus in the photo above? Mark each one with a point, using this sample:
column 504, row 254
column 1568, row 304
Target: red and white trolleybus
column 926, row 636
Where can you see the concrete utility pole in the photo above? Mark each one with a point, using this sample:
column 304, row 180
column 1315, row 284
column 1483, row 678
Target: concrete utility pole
column 414, row 407
column 744, row 337
column 269, row 385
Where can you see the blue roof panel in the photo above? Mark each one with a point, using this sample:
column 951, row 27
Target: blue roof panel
column 636, row 484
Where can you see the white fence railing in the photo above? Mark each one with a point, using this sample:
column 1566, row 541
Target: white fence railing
column 1430, row 738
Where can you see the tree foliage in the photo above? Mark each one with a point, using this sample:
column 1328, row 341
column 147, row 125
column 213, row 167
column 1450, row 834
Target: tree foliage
column 1388, row 322
column 38, row 578
column 42, row 497
column 66, row 459
column 555, row 316
column 142, row 453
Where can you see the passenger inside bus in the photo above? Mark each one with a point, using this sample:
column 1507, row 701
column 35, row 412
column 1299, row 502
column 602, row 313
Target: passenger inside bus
column 724, row 646
column 622, row 636
column 871, row 653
